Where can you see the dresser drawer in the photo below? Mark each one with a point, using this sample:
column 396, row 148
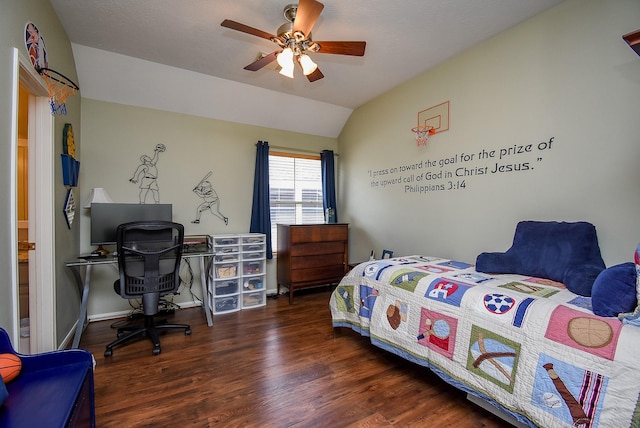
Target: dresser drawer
column 322, row 233
column 317, row 261
column 319, row 274
column 314, row 248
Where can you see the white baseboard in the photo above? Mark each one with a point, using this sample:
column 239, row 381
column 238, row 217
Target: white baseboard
column 68, row 339
column 120, row 314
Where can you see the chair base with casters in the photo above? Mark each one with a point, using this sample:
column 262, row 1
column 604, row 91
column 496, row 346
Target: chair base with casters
column 150, row 329
column 149, row 254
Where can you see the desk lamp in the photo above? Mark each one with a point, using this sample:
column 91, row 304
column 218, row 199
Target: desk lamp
column 99, row 195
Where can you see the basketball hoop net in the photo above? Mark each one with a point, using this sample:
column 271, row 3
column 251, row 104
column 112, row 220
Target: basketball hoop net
column 60, row 87
column 422, row 134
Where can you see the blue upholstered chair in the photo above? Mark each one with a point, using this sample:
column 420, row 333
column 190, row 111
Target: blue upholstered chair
column 53, row 389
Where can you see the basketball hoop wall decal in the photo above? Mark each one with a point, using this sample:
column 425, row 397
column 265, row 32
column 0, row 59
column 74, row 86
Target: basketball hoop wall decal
column 60, row 87
column 422, row 134
column 431, row 121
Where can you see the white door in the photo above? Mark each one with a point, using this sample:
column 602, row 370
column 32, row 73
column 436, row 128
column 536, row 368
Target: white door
column 39, row 224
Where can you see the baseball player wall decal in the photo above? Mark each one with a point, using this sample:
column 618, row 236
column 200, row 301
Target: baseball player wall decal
column 147, row 175
column 210, row 200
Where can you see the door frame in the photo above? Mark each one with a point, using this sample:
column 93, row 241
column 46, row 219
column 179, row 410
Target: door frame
column 42, row 279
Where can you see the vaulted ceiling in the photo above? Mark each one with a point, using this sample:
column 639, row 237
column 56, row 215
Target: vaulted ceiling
column 404, row 39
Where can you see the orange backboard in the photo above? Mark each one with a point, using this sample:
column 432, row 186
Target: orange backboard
column 436, row 116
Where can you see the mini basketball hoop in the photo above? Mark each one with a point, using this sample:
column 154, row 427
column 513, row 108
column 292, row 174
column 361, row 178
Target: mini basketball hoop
column 422, row 134
column 60, row 87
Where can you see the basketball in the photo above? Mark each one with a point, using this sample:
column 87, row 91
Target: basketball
column 10, row 366
column 590, row 332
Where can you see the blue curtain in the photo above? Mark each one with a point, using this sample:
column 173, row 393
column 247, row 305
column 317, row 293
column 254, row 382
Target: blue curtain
column 328, row 181
column 261, row 210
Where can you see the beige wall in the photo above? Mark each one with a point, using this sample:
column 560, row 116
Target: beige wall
column 13, row 17
column 565, row 75
column 114, row 138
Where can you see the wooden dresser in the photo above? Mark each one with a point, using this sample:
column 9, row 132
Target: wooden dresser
column 311, row 254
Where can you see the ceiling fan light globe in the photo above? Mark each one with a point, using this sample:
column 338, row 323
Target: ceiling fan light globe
column 287, row 70
column 307, row 64
column 285, row 58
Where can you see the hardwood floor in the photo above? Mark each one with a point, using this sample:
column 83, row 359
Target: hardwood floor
column 277, row 366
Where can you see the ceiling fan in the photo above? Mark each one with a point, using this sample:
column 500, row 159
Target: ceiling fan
column 294, row 40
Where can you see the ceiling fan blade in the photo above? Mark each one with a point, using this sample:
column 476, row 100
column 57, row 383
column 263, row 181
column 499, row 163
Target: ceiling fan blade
column 246, row 29
column 316, row 75
column 261, row 62
column 342, row 48
column 306, row 16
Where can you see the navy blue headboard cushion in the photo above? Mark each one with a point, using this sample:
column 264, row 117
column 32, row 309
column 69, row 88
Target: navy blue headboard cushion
column 566, row 252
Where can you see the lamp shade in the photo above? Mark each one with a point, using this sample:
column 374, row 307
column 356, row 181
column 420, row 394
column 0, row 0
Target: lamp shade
column 285, row 57
column 98, row 195
column 307, row 64
column 285, row 60
column 287, row 71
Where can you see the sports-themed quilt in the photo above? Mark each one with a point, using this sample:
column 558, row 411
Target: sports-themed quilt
column 527, row 345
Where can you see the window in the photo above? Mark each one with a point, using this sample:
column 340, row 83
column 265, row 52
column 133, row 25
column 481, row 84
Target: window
column 295, row 191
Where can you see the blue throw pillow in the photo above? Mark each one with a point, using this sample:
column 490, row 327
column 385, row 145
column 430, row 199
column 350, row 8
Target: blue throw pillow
column 614, row 290
column 3, row 391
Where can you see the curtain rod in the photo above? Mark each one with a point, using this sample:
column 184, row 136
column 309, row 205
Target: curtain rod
column 298, row 150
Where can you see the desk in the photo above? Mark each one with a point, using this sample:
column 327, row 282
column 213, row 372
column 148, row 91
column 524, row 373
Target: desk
column 84, row 284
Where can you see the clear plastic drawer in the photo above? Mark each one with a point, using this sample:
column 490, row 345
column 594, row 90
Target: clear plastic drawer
column 226, row 240
column 254, row 299
column 226, row 270
column 222, row 287
column 225, row 304
column 252, row 267
column 256, row 283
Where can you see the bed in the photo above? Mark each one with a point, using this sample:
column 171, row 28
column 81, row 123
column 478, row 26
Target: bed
column 527, row 346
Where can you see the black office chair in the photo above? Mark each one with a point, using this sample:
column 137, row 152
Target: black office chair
column 149, row 254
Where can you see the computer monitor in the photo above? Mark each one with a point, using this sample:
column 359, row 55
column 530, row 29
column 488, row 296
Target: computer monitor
column 105, row 218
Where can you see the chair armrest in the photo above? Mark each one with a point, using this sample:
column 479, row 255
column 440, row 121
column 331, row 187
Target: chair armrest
column 55, row 359
column 47, row 359
column 497, row 263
